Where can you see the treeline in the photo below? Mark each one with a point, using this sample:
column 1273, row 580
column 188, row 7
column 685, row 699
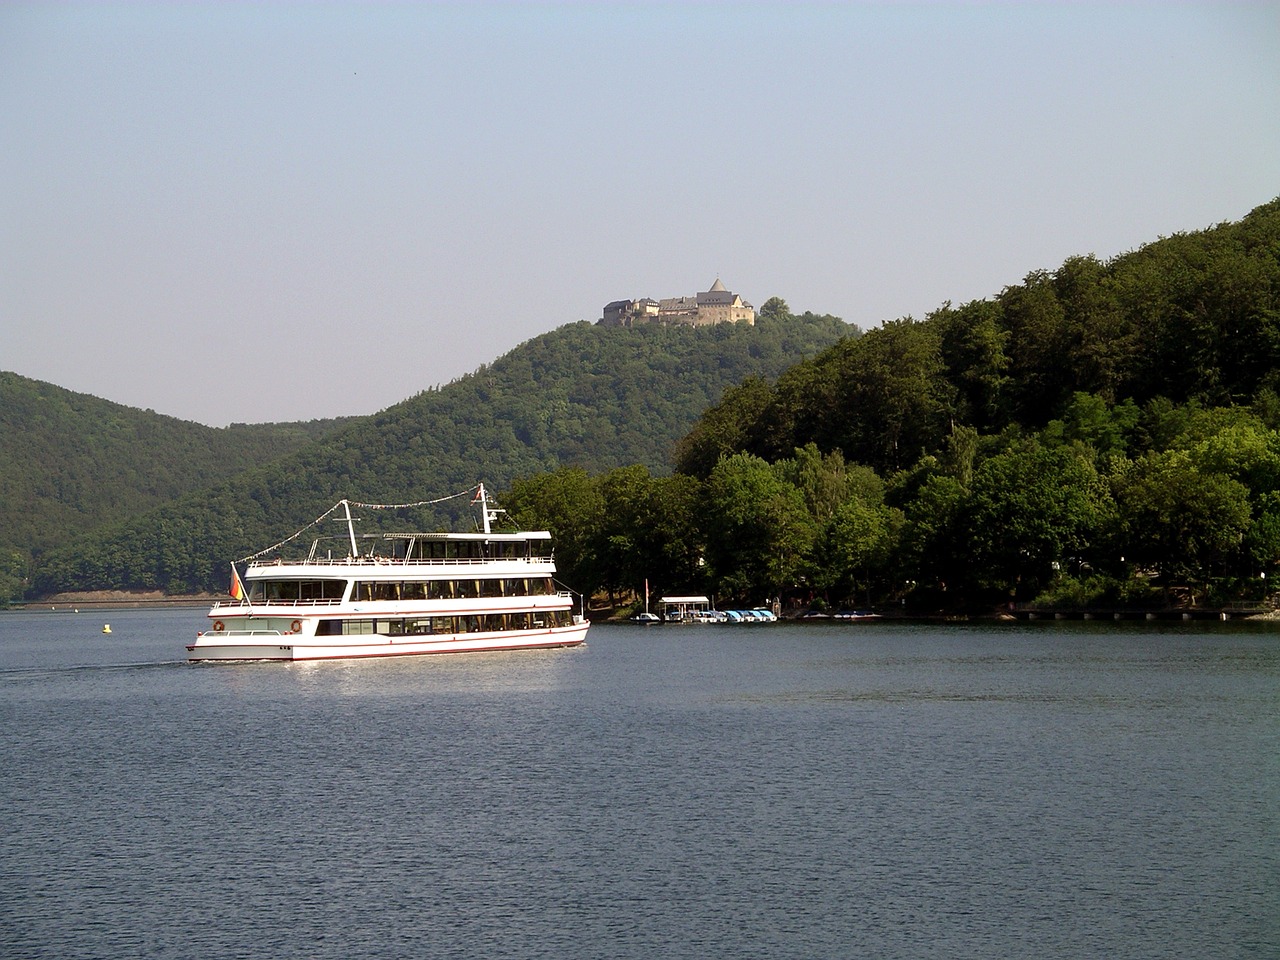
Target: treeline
column 1108, row 506
column 1102, row 432
column 70, row 462
column 585, row 395
column 1105, row 433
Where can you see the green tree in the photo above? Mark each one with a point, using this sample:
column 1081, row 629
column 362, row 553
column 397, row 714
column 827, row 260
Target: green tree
column 892, row 400
column 1039, row 348
column 933, row 551
column 1031, row 508
column 775, row 310
column 724, row 428
column 1262, row 539
column 568, row 503
column 1090, row 421
column 1176, row 520
column 972, row 345
column 822, row 480
column 648, row 531
column 1103, row 342
column 758, row 531
column 856, row 548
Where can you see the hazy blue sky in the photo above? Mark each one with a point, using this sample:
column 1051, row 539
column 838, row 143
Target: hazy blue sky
column 234, row 212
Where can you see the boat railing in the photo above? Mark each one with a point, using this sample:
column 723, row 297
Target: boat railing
column 277, row 602
column 397, row 562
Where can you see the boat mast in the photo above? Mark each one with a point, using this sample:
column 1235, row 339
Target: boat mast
column 483, row 499
column 487, row 513
column 351, row 529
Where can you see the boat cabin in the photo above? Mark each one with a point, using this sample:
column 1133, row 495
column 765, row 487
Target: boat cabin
column 434, row 547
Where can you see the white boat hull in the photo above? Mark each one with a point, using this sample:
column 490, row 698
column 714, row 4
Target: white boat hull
column 394, row 595
column 249, row 646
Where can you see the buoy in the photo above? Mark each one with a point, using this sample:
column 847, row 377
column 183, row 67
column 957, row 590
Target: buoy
column 106, row 628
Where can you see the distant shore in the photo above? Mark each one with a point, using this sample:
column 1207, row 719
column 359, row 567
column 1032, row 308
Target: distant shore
column 116, row 599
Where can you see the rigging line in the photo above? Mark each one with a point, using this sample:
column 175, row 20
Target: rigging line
column 420, row 503
column 295, row 536
column 354, row 503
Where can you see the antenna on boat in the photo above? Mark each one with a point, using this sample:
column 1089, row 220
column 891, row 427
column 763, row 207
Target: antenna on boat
column 351, row 528
column 487, row 513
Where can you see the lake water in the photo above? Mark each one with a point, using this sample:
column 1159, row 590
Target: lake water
column 838, row 790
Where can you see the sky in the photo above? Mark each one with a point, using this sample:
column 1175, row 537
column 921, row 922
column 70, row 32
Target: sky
column 253, row 213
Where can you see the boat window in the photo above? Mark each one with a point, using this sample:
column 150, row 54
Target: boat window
column 280, row 590
column 365, row 590
column 296, row 591
column 436, row 626
column 322, row 589
column 428, row 550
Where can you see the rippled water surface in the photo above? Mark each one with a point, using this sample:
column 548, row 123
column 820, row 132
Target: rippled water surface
column 842, row 790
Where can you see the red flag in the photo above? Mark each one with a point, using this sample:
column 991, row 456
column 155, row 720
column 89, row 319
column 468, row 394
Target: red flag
column 237, row 588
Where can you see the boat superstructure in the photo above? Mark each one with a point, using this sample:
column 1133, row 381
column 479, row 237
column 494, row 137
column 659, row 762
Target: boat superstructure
column 394, row 594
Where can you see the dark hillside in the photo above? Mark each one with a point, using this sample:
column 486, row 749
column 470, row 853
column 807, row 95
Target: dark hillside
column 1192, row 318
column 581, row 395
column 70, row 462
column 1102, row 436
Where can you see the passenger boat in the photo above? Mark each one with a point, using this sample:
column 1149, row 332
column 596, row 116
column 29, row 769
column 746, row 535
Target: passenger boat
column 394, row 594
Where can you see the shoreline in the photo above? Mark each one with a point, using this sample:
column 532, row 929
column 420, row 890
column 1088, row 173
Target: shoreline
column 115, row 599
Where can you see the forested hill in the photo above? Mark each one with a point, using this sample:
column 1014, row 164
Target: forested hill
column 1104, row 434
column 1192, row 318
column 584, row 395
column 70, row 462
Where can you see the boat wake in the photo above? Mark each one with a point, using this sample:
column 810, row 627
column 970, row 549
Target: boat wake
column 24, row 674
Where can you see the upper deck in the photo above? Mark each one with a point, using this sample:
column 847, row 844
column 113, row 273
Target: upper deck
column 429, row 553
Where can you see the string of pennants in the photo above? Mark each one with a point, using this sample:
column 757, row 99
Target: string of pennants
column 470, row 491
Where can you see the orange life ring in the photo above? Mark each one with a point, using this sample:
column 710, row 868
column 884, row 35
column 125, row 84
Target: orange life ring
column 217, row 626
column 295, row 627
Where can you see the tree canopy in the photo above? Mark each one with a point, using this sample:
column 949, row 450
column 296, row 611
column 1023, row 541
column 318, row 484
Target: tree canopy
column 1103, row 432
column 584, row 395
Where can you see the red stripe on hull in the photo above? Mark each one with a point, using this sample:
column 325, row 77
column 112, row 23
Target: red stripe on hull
column 572, row 638
column 439, row 653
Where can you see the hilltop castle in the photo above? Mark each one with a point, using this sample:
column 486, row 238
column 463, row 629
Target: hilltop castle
column 716, row 305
